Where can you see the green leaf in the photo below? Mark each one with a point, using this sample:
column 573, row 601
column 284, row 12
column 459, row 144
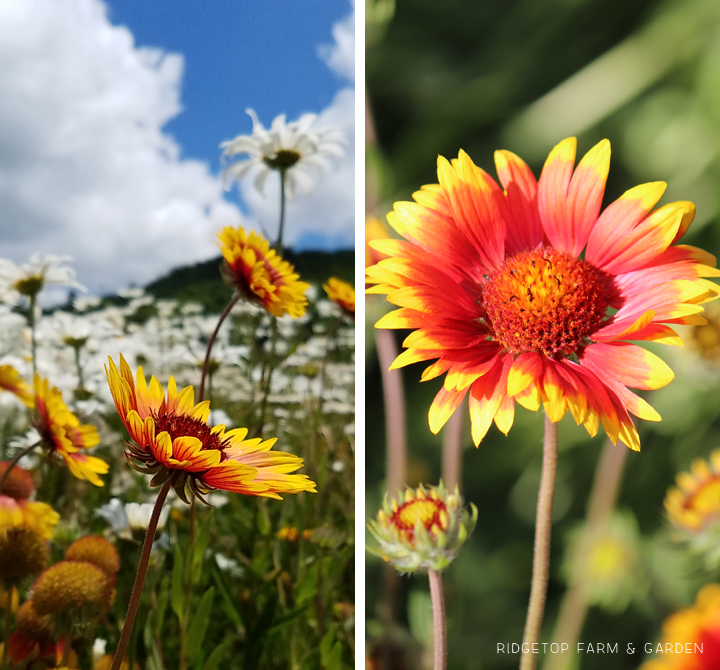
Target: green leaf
column 216, row 655
column 199, row 625
column 162, row 604
column 201, row 541
column 228, row 603
column 177, row 595
column 331, row 651
column 287, row 618
column 309, row 585
column 150, row 645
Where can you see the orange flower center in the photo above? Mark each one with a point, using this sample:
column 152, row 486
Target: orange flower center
column 427, row 511
column 544, row 300
column 180, row 425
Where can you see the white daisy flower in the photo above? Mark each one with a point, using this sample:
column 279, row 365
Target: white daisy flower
column 29, row 279
column 297, row 149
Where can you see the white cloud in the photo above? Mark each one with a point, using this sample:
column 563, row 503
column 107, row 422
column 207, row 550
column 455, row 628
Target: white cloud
column 85, row 169
column 340, row 56
column 326, row 216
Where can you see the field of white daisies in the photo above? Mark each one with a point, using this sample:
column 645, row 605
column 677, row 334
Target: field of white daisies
column 176, row 482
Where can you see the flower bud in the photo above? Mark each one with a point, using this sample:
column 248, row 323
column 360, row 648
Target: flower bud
column 422, row 529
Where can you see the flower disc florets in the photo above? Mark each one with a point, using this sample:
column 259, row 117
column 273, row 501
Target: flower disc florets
column 74, row 594
column 96, row 550
column 544, row 301
column 23, row 553
column 422, row 529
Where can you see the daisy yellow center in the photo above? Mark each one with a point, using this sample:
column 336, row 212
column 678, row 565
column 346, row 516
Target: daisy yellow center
column 283, row 159
column 427, row 512
column 180, row 425
column 29, row 286
column 544, row 301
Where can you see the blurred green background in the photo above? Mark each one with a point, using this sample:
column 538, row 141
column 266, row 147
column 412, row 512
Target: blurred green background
column 522, row 75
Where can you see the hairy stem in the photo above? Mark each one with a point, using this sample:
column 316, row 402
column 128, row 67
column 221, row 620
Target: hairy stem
column 601, row 502
column 395, row 425
column 541, row 555
column 140, row 578
column 438, row 608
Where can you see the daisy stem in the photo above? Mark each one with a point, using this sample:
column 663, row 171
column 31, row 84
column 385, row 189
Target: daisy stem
column 14, row 462
column 541, row 554
column 211, row 342
column 31, row 322
column 331, row 334
column 281, row 225
column 438, row 608
column 140, row 578
column 395, row 425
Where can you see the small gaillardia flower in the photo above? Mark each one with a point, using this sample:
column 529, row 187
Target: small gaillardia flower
column 98, row 551
column 260, row 275
column 342, row 294
column 172, row 439
column 23, row 553
column 297, row 149
column 690, row 637
column 422, row 529
column 11, row 380
column 605, row 562
column 74, row 595
column 17, row 510
column 62, row 433
column 527, row 293
column 693, row 507
column 32, row 636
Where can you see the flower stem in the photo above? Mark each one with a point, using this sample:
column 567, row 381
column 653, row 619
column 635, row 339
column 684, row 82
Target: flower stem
column 601, row 502
column 211, row 342
column 188, row 590
column 541, row 556
column 331, row 334
column 438, row 608
column 140, row 578
column 281, row 225
column 395, row 426
column 267, row 376
column 32, row 302
column 14, row 462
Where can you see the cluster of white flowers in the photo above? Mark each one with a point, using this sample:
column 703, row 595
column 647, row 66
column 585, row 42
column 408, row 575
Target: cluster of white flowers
column 167, row 338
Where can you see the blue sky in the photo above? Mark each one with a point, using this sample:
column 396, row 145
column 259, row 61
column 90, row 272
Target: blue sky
column 238, row 54
column 112, row 116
